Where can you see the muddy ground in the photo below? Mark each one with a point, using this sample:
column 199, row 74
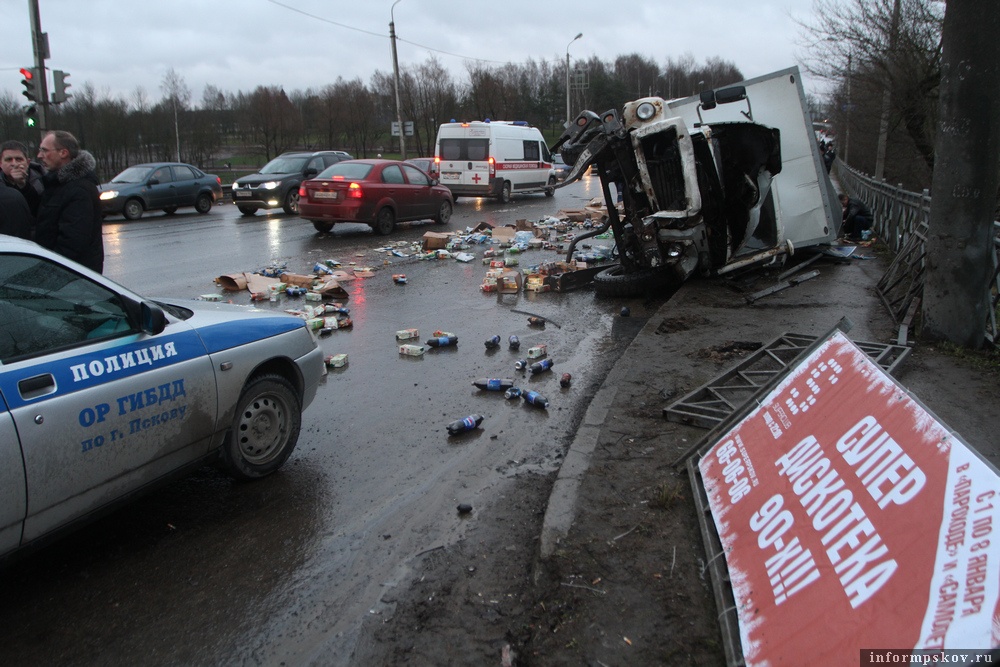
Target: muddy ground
column 627, row 585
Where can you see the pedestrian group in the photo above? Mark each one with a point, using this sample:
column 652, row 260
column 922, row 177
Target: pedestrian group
column 53, row 201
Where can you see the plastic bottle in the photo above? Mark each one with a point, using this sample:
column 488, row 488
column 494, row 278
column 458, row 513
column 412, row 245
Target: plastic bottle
column 536, row 322
column 494, row 384
column 442, row 341
column 514, row 342
column 493, row 343
column 521, row 364
column 330, row 309
column 466, row 424
column 513, row 392
column 540, row 366
column 535, row 398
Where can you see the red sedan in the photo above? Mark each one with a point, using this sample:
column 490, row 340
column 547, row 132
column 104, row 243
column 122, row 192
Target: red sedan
column 376, row 192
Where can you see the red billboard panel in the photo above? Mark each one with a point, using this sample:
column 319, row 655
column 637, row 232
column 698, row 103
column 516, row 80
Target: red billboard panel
column 852, row 518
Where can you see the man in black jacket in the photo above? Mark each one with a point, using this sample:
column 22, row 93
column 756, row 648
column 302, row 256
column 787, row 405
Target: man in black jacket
column 69, row 215
column 15, row 216
column 20, row 173
column 857, row 218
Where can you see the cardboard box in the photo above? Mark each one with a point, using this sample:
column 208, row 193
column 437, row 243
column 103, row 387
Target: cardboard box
column 509, row 282
column 504, row 235
column 298, row 280
column 436, row 240
column 411, row 350
column 407, row 334
column 336, row 360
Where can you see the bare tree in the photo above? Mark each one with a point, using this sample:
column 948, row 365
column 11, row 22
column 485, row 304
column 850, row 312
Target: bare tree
column 176, row 91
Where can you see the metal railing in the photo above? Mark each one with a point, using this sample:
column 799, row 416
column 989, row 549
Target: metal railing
column 901, row 221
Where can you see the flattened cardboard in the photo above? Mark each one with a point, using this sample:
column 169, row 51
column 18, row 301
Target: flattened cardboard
column 332, row 290
column 258, row 284
column 504, row 234
column 298, row 280
column 232, row 282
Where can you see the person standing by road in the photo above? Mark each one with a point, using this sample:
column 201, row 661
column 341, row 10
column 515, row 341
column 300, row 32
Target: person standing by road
column 20, row 173
column 69, row 215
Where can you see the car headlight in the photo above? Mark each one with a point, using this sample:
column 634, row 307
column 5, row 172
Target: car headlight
column 270, row 185
column 645, row 111
column 108, row 195
column 236, row 185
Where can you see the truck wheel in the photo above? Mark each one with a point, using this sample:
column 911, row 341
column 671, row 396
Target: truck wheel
column 504, row 196
column 550, row 189
column 265, row 428
column 613, row 281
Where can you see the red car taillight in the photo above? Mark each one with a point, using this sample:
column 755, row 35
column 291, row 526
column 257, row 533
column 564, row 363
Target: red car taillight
column 302, row 191
column 354, row 191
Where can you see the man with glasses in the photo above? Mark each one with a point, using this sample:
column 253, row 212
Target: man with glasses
column 69, row 215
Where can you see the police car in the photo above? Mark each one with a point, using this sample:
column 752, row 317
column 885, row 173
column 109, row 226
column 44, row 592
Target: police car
column 104, row 393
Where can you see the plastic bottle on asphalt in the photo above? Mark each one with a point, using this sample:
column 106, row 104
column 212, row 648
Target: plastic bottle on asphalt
column 535, row 398
column 466, row 424
column 513, row 392
column 536, row 322
column 540, row 366
column 514, row 342
column 494, row 384
column 442, row 341
column 493, row 343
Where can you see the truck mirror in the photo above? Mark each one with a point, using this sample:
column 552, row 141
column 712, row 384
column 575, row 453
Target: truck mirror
column 731, row 94
column 707, row 99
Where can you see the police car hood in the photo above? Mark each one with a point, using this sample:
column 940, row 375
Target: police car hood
column 225, row 325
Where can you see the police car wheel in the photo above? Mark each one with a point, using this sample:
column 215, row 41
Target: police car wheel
column 265, row 428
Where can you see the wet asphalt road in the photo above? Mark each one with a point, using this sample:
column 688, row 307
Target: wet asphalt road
column 284, row 570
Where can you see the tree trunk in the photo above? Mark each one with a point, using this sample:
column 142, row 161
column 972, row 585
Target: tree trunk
column 964, row 186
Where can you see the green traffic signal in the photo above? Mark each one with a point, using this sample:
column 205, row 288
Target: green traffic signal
column 30, row 114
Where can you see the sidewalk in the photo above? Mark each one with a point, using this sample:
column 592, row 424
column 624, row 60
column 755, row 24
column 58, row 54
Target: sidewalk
column 621, row 520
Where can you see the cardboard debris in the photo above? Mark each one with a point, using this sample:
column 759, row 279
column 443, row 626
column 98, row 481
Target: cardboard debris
column 484, row 227
column 331, row 289
column 298, row 280
column 509, row 282
column 436, row 240
column 232, row 282
column 504, row 234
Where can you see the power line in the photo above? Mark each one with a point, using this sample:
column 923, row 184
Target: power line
column 376, row 34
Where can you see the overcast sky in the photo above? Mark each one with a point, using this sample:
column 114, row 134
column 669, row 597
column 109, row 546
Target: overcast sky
column 118, row 45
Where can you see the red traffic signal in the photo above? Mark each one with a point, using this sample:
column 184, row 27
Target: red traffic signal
column 31, row 83
column 27, row 73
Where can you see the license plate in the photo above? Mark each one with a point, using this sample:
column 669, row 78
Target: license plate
column 450, row 175
column 324, row 194
column 243, row 193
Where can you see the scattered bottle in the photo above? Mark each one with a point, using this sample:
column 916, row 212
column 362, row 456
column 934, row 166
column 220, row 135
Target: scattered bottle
column 540, row 366
column 466, row 424
column 625, row 311
column 536, row 322
column 325, row 331
column 513, row 392
column 514, row 343
column 535, row 398
column 399, row 278
column 565, row 380
column 493, row 343
column 331, row 309
column 442, row 341
column 494, row 384
column 295, row 291
column 521, row 364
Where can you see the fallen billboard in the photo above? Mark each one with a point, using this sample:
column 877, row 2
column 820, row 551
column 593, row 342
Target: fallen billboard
column 851, row 518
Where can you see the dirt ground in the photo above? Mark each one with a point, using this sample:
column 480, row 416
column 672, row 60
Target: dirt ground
column 628, row 585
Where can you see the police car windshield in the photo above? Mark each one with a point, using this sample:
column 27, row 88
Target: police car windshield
column 285, row 165
column 132, row 175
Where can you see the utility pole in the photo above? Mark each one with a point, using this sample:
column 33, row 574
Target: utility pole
column 40, row 44
column 567, row 77
column 959, row 260
column 395, row 78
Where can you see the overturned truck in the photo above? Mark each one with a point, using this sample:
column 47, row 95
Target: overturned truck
column 711, row 183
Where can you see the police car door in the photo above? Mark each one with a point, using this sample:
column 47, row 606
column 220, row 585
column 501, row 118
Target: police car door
column 100, row 408
column 13, row 498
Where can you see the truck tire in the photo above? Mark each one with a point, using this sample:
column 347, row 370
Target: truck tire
column 613, row 281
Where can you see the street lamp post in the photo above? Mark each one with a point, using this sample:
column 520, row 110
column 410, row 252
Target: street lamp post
column 395, row 73
column 567, row 75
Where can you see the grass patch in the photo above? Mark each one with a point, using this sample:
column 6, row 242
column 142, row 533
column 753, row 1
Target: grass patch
column 987, row 360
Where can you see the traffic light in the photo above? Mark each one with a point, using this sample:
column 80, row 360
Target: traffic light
column 32, row 83
column 30, row 114
column 59, row 95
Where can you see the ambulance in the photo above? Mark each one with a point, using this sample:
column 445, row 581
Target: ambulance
column 493, row 159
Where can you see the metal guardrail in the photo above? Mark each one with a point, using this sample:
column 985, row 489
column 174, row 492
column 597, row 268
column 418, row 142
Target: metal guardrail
column 901, row 221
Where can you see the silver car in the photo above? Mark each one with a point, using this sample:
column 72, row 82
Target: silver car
column 104, row 393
